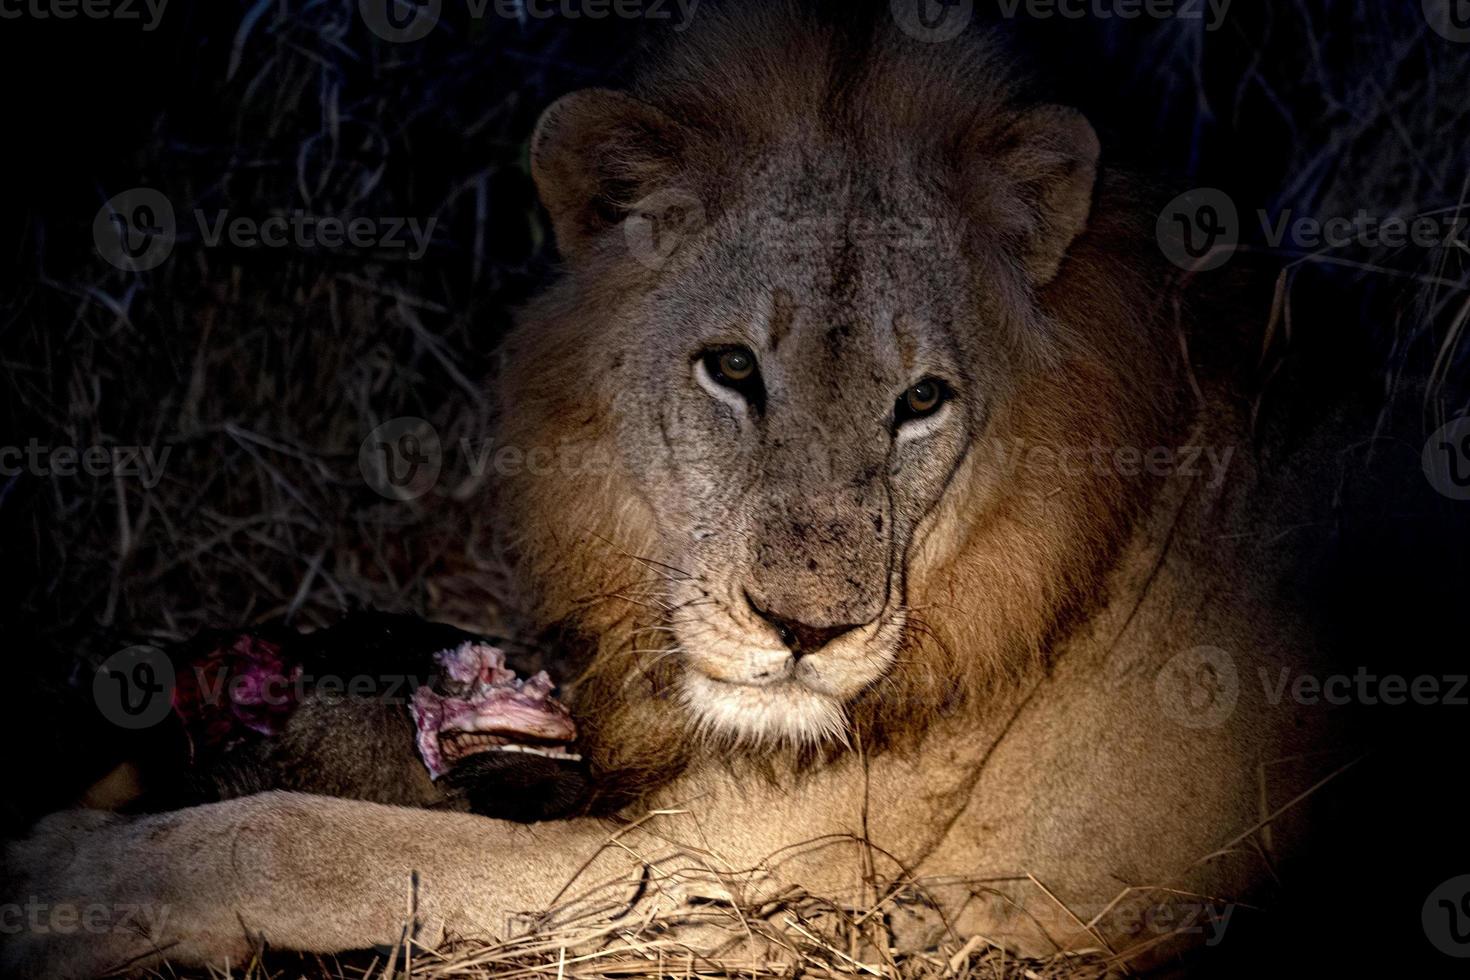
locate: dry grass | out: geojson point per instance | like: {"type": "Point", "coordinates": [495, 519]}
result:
{"type": "Point", "coordinates": [795, 934]}
{"type": "Point", "coordinates": [260, 372]}
{"type": "Point", "coordinates": [804, 936]}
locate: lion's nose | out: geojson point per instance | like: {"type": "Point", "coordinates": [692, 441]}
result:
{"type": "Point", "coordinates": [801, 638]}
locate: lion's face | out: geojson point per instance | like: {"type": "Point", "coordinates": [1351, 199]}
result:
{"type": "Point", "coordinates": [787, 334]}
{"type": "Point", "coordinates": [804, 384]}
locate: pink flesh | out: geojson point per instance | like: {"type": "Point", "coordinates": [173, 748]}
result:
{"type": "Point", "coordinates": [498, 703]}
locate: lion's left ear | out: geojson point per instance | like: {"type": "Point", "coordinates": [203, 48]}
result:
{"type": "Point", "coordinates": [595, 155]}
{"type": "Point", "coordinates": [1049, 155]}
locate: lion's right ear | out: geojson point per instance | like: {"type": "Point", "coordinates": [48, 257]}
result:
{"type": "Point", "coordinates": [1036, 181]}
{"type": "Point", "coordinates": [597, 153]}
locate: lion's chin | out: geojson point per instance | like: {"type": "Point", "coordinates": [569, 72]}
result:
{"type": "Point", "coordinates": [784, 713]}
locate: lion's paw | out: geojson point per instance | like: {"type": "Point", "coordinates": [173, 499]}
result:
{"type": "Point", "coordinates": [62, 912]}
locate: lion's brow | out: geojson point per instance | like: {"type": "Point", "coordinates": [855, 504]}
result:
{"type": "Point", "coordinates": [905, 341]}
{"type": "Point", "coordinates": [783, 315]}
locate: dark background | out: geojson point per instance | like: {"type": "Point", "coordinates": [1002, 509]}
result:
{"type": "Point", "coordinates": [263, 369]}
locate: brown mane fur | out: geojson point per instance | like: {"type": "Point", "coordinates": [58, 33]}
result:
{"type": "Point", "coordinates": [992, 585]}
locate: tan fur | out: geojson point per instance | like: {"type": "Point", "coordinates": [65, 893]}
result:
{"type": "Point", "coordinates": [1017, 754]}
{"type": "Point", "coordinates": [1005, 574]}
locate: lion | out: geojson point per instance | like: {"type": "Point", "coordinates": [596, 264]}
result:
{"type": "Point", "coordinates": [863, 486]}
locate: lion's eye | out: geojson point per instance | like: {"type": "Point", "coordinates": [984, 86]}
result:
{"type": "Point", "coordinates": [735, 365]}
{"type": "Point", "coordinates": [920, 400]}
{"type": "Point", "coordinates": [735, 368]}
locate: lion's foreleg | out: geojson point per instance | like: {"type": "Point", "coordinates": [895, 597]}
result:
{"type": "Point", "coordinates": [87, 893]}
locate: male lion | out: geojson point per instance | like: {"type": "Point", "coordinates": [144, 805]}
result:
{"type": "Point", "coordinates": [855, 437]}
